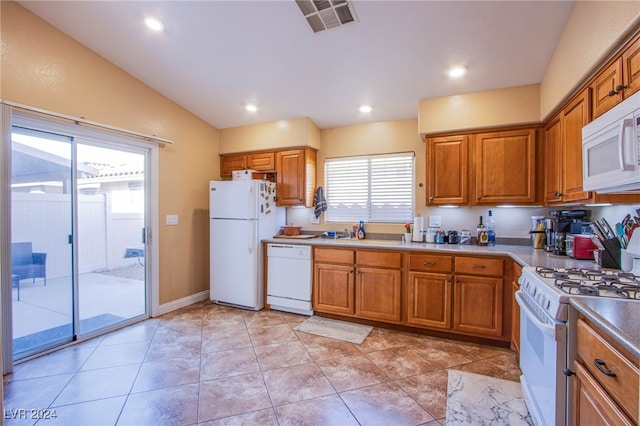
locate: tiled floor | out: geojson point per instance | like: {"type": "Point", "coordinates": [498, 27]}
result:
{"type": "Point", "coordinates": [213, 365]}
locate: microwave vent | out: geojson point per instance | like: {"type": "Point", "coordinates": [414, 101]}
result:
{"type": "Point", "coordinates": [322, 15]}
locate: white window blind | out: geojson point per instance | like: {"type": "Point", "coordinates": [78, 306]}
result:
{"type": "Point", "coordinates": [375, 188]}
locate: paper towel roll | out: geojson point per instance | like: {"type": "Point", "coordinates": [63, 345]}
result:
{"type": "Point", "coordinates": [418, 227]}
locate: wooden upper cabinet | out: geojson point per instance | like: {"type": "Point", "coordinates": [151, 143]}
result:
{"type": "Point", "coordinates": [231, 162]}
{"type": "Point", "coordinates": [553, 161]}
{"type": "Point", "coordinates": [574, 117]}
{"type": "Point", "coordinates": [617, 81]}
{"type": "Point", "coordinates": [259, 161]}
{"type": "Point", "coordinates": [296, 177]}
{"type": "Point", "coordinates": [447, 170]}
{"type": "Point", "coordinates": [262, 161]}
{"type": "Point", "coordinates": [505, 167]}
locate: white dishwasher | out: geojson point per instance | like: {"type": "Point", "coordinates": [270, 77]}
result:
{"type": "Point", "coordinates": [289, 278]}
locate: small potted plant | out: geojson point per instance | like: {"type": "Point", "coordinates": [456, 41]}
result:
{"type": "Point", "coordinates": [407, 233]}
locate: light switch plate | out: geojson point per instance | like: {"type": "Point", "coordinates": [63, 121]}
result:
{"type": "Point", "coordinates": [172, 219]}
{"type": "Point", "coordinates": [435, 221]}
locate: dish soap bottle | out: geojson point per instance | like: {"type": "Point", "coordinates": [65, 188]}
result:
{"type": "Point", "coordinates": [491, 231]}
{"type": "Point", "coordinates": [361, 233]}
{"type": "Point", "coordinates": [483, 237]}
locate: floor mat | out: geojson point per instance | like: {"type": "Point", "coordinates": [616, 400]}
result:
{"type": "Point", "coordinates": [349, 332]}
{"type": "Point", "coordinates": [474, 399]}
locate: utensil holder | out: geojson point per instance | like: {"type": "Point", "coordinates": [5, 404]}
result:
{"type": "Point", "coordinates": [610, 256]}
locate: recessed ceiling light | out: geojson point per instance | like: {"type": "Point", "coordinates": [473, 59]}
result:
{"type": "Point", "coordinates": [251, 108]}
{"type": "Point", "coordinates": [365, 109]}
{"type": "Point", "coordinates": [154, 24]}
{"type": "Point", "coordinates": [457, 72]}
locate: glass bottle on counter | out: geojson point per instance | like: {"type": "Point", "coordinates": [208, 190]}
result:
{"type": "Point", "coordinates": [361, 233]}
{"type": "Point", "coordinates": [491, 230]}
{"type": "Point", "coordinates": [483, 237]}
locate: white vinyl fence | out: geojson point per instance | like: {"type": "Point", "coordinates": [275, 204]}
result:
{"type": "Point", "coordinates": [45, 221]}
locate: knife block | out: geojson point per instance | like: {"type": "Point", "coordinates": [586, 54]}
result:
{"type": "Point", "coordinates": [610, 256]}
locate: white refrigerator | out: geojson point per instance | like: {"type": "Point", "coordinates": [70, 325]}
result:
{"type": "Point", "coordinates": [241, 213]}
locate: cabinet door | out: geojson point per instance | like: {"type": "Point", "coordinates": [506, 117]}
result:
{"type": "Point", "coordinates": [591, 404]}
{"type": "Point", "coordinates": [574, 118]}
{"type": "Point", "coordinates": [553, 161]}
{"type": "Point", "coordinates": [477, 305]}
{"type": "Point", "coordinates": [290, 177]}
{"type": "Point", "coordinates": [631, 68]}
{"type": "Point", "coordinates": [262, 161]}
{"type": "Point", "coordinates": [378, 294]}
{"type": "Point", "coordinates": [505, 166]}
{"type": "Point", "coordinates": [229, 163]}
{"type": "Point", "coordinates": [447, 170]}
{"type": "Point", "coordinates": [333, 288]}
{"type": "Point", "coordinates": [429, 298]}
{"type": "Point", "coordinates": [603, 88]}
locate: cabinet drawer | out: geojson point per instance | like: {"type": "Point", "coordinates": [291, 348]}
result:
{"type": "Point", "coordinates": [624, 386]}
{"type": "Point", "coordinates": [382, 259]}
{"type": "Point", "coordinates": [333, 255]}
{"type": "Point", "coordinates": [430, 263]}
{"type": "Point", "coordinates": [263, 161]}
{"type": "Point", "coordinates": [479, 266]}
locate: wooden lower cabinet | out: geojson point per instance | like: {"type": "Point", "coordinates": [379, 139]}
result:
{"type": "Point", "coordinates": [477, 305]}
{"type": "Point", "coordinates": [333, 288]}
{"type": "Point", "coordinates": [378, 294]}
{"type": "Point", "coordinates": [592, 405]}
{"type": "Point", "coordinates": [515, 309]}
{"type": "Point", "coordinates": [429, 298]}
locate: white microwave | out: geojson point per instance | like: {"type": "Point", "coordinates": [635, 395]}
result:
{"type": "Point", "coordinates": [611, 149]}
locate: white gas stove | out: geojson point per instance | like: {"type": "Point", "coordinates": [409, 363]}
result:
{"type": "Point", "coordinates": [547, 331]}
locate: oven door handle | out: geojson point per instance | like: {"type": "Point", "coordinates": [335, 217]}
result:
{"type": "Point", "coordinates": [525, 308]}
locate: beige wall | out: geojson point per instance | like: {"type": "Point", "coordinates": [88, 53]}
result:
{"type": "Point", "coordinates": [271, 135]}
{"type": "Point", "coordinates": [491, 108]}
{"type": "Point", "coordinates": [591, 31]}
{"type": "Point", "coordinates": [44, 68]}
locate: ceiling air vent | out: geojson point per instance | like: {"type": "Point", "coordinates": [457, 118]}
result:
{"type": "Point", "coordinates": [324, 14]}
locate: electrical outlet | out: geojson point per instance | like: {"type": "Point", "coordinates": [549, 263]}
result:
{"type": "Point", "coordinates": [435, 221]}
{"type": "Point", "coordinates": [314, 220]}
{"type": "Point", "coordinates": [172, 219]}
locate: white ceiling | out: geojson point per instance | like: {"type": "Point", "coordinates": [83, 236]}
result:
{"type": "Point", "coordinates": [217, 56]}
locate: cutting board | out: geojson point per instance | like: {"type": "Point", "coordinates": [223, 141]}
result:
{"type": "Point", "coordinates": [296, 237]}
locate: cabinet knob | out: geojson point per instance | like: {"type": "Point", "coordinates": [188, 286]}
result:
{"type": "Point", "coordinates": [557, 194]}
{"type": "Point", "coordinates": [457, 281]}
{"type": "Point", "coordinates": [568, 372]}
{"type": "Point", "coordinates": [619, 88]}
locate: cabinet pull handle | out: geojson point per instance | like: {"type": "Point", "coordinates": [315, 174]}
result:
{"type": "Point", "coordinates": [619, 88]}
{"type": "Point", "coordinates": [478, 266]}
{"type": "Point", "coordinates": [429, 263]}
{"type": "Point", "coordinates": [602, 367]}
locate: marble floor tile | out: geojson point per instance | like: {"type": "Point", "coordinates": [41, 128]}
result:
{"type": "Point", "coordinates": [384, 404]}
{"type": "Point", "coordinates": [233, 362]}
{"type": "Point", "coordinates": [33, 393]}
{"type": "Point", "coordinates": [351, 372]}
{"type": "Point", "coordinates": [269, 335]}
{"type": "Point", "coordinates": [263, 319]}
{"type": "Point", "coordinates": [296, 383]}
{"type": "Point", "coordinates": [503, 366]}
{"type": "Point", "coordinates": [325, 410]}
{"type": "Point", "coordinates": [442, 353]}
{"type": "Point", "coordinates": [429, 390]}
{"type": "Point", "coordinates": [164, 374]}
{"type": "Point", "coordinates": [398, 363]}
{"type": "Point", "coordinates": [169, 406]}
{"type": "Point", "coordinates": [232, 396]}
{"type": "Point", "coordinates": [96, 384]}
{"type": "Point", "coordinates": [224, 340]}
{"type": "Point", "coordinates": [115, 355]}
{"type": "Point", "coordinates": [380, 339]}
{"type": "Point", "coordinates": [101, 412]}
{"type": "Point", "coordinates": [265, 417]}
{"type": "Point", "coordinates": [64, 361]}
{"type": "Point", "coordinates": [135, 333]}
{"type": "Point", "coordinates": [322, 348]}
{"type": "Point", "coordinates": [281, 355]}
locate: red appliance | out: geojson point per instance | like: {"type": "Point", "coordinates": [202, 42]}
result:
{"type": "Point", "coordinates": [580, 246]}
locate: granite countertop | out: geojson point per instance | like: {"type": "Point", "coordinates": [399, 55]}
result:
{"type": "Point", "coordinates": [620, 318]}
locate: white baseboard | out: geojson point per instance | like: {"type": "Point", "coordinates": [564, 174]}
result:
{"type": "Point", "coordinates": [180, 303]}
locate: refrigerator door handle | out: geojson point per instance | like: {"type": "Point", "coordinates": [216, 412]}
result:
{"type": "Point", "coordinates": [250, 201]}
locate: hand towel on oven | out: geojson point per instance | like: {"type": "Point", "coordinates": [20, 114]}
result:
{"type": "Point", "coordinates": [319, 202]}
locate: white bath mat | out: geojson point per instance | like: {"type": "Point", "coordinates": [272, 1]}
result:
{"type": "Point", "coordinates": [474, 399]}
{"type": "Point", "coordinates": [334, 329]}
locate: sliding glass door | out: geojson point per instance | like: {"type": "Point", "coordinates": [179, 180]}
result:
{"type": "Point", "coordinates": [79, 215]}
